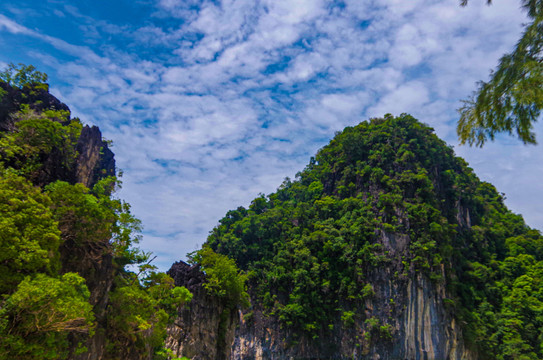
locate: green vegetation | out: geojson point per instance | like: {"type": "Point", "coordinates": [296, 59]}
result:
{"type": "Point", "coordinates": [24, 76]}
{"type": "Point", "coordinates": [310, 251]}
{"type": "Point", "coordinates": [138, 315]}
{"type": "Point", "coordinates": [312, 248]}
{"type": "Point", "coordinates": [223, 278]}
{"type": "Point", "coordinates": [29, 235]}
{"type": "Point", "coordinates": [36, 319]}
{"type": "Point", "coordinates": [225, 281]}
{"type": "Point", "coordinates": [64, 248]}
{"type": "Point", "coordinates": [38, 136]}
{"type": "Point", "coordinates": [511, 101]}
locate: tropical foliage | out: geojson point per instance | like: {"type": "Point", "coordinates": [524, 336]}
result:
{"type": "Point", "coordinates": [36, 319]}
{"type": "Point", "coordinates": [21, 76]}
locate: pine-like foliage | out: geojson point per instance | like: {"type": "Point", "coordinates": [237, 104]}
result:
{"type": "Point", "coordinates": [511, 101]}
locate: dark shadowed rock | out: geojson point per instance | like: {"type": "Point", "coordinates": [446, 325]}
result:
{"type": "Point", "coordinates": [38, 100]}
{"type": "Point", "coordinates": [187, 275]}
{"type": "Point", "coordinates": [95, 160]}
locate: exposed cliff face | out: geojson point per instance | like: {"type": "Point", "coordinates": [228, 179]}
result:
{"type": "Point", "coordinates": [410, 321]}
{"type": "Point", "coordinates": [205, 328]}
{"type": "Point", "coordinates": [95, 160]}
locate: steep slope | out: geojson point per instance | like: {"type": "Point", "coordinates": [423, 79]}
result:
{"type": "Point", "coordinates": [386, 246]}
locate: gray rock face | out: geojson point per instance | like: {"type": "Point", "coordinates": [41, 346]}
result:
{"type": "Point", "coordinates": [205, 328]}
{"type": "Point", "coordinates": [418, 326]}
{"type": "Point", "coordinates": [95, 160]}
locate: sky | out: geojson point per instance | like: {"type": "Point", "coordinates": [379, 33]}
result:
{"type": "Point", "coordinates": [210, 103]}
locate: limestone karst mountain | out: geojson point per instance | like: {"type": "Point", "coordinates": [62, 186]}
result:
{"type": "Point", "coordinates": [386, 246]}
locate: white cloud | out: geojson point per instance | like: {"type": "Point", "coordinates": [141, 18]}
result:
{"type": "Point", "coordinates": [13, 27]}
{"type": "Point", "coordinates": [59, 13]}
{"type": "Point", "coordinates": [411, 97]}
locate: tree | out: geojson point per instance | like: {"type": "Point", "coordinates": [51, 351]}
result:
{"type": "Point", "coordinates": [24, 76]}
{"type": "Point", "coordinates": [138, 314]}
{"type": "Point", "coordinates": [512, 100]}
{"type": "Point", "coordinates": [38, 136]}
{"type": "Point", "coordinates": [223, 278]}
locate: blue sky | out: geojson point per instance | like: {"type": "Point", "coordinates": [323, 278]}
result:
{"type": "Point", "coordinates": [210, 103]}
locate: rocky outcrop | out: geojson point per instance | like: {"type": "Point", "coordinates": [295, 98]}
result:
{"type": "Point", "coordinates": [95, 160]}
{"type": "Point", "coordinates": [205, 328]}
{"type": "Point", "coordinates": [365, 255]}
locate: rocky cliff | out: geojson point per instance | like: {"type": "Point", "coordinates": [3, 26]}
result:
{"type": "Point", "coordinates": [386, 246]}
{"type": "Point", "coordinates": [409, 321]}
{"type": "Point", "coordinates": [94, 161]}
{"type": "Point", "coordinates": [418, 326]}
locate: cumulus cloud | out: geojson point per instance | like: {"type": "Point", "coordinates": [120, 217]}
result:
{"type": "Point", "coordinates": [210, 103]}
